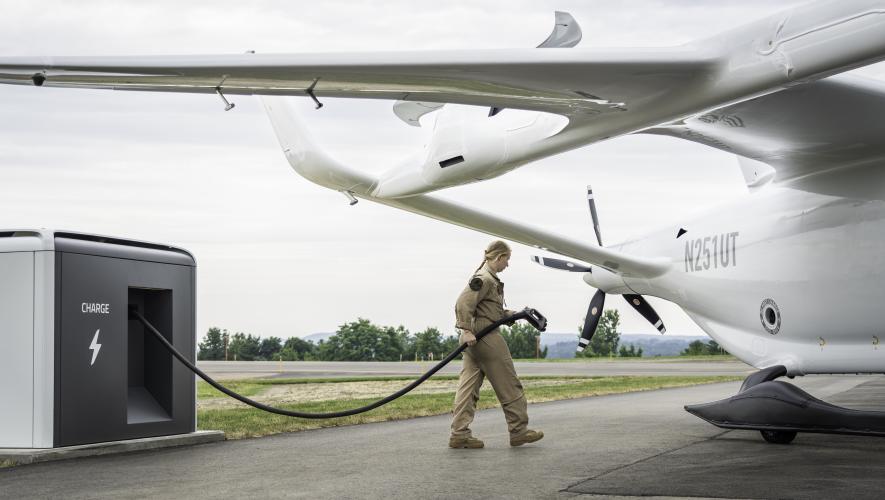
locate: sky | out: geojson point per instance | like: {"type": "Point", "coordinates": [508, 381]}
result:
{"type": "Point", "coordinates": [280, 256]}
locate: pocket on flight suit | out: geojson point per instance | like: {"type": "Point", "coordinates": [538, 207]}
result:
{"type": "Point", "coordinates": [498, 367]}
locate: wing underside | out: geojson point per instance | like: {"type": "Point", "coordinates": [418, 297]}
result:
{"type": "Point", "coordinates": [835, 122]}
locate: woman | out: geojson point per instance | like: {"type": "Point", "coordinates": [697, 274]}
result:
{"type": "Point", "coordinates": [479, 305]}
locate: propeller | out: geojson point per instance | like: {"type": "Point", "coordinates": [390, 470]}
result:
{"type": "Point", "coordinates": [647, 312]}
{"type": "Point", "coordinates": [591, 321]}
{"type": "Point", "coordinates": [593, 215]}
{"type": "Point", "coordinates": [594, 312]}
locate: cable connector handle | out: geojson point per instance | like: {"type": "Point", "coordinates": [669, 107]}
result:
{"type": "Point", "coordinates": [535, 318]}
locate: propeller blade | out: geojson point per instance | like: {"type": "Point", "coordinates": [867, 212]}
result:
{"type": "Point", "coordinates": [562, 265]}
{"type": "Point", "coordinates": [645, 309]}
{"type": "Point", "coordinates": [592, 204]}
{"type": "Point", "coordinates": [594, 314]}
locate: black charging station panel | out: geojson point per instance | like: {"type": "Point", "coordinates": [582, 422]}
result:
{"type": "Point", "coordinates": [113, 380]}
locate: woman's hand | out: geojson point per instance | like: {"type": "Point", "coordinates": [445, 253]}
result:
{"type": "Point", "coordinates": [467, 337]}
{"type": "Point", "coordinates": [507, 313]}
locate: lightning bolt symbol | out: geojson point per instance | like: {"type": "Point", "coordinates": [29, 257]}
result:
{"type": "Point", "coordinates": [95, 347]}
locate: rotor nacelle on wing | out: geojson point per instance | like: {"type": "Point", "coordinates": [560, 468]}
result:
{"type": "Point", "coordinates": [469, 145]}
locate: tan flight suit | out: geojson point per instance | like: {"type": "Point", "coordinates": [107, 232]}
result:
{"type": "Point", "coordinates": [479, 305]}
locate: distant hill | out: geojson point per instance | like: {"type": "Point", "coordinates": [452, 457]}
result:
{"type": "Point", "coordinates": [562, 345]}
{"type": "Point", "coordinates": [661, 345]}
{"type": "Point", "coordinates": [317, 337]}
{"type": "Point", "coordinates": [550, 339]}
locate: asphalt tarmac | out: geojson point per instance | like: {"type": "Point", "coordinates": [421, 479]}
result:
{"type": "Point", "coordinates": [226, 370]}
{"type": "Point", "coordinates": [640, 444]}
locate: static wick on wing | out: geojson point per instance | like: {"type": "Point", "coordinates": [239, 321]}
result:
{"type": "Point", "coordinates": [227, 104]}
{"type": "Point", "coordinates": [309, 91]}
{"type": "Point", "coordinates": [350, 197]}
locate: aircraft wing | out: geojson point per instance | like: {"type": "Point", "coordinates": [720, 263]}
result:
{"type": "Point", "coordinates": [604, 93]}
{"type": "Point", "coordinates": [588, 86]}
{"type": "Point", "coordinates": [554, 80]}
{"type": "Point", "coordinates": [829, 123]}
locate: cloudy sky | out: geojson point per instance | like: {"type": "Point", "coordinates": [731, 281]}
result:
{"type": "Point", "coordinates": [280, 256]}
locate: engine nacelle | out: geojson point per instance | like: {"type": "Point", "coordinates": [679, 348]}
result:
{"type": "Point", "coordinates": [469, 146]}
{"type": "Point", "coordinates": [607, 281]}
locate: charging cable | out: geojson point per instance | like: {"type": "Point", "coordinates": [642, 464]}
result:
{"type": "Point", "coordinates": [535, 318]}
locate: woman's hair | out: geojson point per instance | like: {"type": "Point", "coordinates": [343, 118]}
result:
{"type": "Point", "coordinates": [495, 249]}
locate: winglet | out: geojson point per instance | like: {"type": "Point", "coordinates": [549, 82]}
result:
{"type": "Point", "coordinates": [566, 32]}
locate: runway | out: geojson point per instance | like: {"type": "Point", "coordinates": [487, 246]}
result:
{"type": "Point", "coordinates": [222, 370]}
{"type": "Point", "coordinates": [640, 444]}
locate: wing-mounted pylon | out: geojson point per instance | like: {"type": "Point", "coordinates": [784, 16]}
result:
{"type": "Point", "coordinates": [308, 160]}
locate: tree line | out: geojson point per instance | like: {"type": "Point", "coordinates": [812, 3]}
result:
{"type": "Point", "coordinates": [700, 348]}
{"type": "Point", "coordinates": [359, 340]}
{"type": "Point", "coordinates": [220, 345]}
{"type": "Point", "coordinates": [362, 340]}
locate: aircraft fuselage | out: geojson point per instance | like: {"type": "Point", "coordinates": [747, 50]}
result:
{"type": "Point", "coordinates": [791, 275]}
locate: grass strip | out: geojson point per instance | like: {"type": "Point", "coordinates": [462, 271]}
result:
{"type": "Point", "coordinates": [245, 422]}
{"type": "Point", "coordinates": [255, 386]}
{"type": "Point", "coordinates": [645, 359]}
{"type": "Point", "coordinates": [252, 387]}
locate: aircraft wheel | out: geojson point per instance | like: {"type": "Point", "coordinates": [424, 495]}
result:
{"type": "Point", "coordinates": [779, 437]}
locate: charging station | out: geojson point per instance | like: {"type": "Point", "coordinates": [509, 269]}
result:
{"type": "Point", "coordinates": [75, 369]}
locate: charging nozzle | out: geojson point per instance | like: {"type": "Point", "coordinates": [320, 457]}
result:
{"type": "Point", "coordinates": [535, 318]}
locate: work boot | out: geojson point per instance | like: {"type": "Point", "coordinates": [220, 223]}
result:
{"type": "Point", "coordinates": [465, 442]}
{"type": "Point", "coordinates": [529, 436]}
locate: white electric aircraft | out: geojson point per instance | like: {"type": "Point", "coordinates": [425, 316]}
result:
{"type": "Point", "coordinates": [789, 279]}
